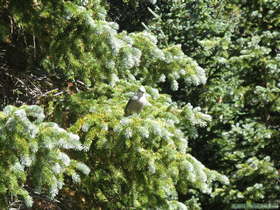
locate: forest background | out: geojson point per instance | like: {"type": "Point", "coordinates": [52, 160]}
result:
{"type": "Point", "coordinates": [209, 138]}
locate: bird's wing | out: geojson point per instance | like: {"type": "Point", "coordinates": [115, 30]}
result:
{"type": "Point", "coordinates": [126, 110]}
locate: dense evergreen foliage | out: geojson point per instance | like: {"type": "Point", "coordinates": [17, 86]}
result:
{"type": "Point", "coordinates": [237, 43]}
{"type": "Point", "coordinates": [207, 139]}
{"type": "Point", "coordinates": [32, 154]}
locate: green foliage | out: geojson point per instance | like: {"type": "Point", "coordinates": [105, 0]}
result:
{"type": "Point", "coordinates": [32, 154]}
{"type": "Point", "coordinates": [188, 22]}
{"type": "Point", "coordinates": [80, 44]}
{"type": "Point", "coordinates": [237, 43]}
{"type": "Point", "coordinates": [137, 161]}
{"type": "Point", "coordinates": [142, 160]}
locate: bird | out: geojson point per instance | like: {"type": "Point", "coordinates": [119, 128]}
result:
{"type": "Point", "coordinates": [136, 103]}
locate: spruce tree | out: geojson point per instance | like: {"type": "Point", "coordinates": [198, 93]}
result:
{"type": "Point", "coordinates": [140, 161]}
{"type": "Point", "coordinates": [237, 43]}
{"type": "Point", "coordinates": [32, 155]}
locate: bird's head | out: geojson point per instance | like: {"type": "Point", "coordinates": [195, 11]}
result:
{"type": "Point", "coordinates": [141, 91]}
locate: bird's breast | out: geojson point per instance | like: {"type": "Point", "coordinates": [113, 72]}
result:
{"type": "Point", "coordinates": [143, 100]}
